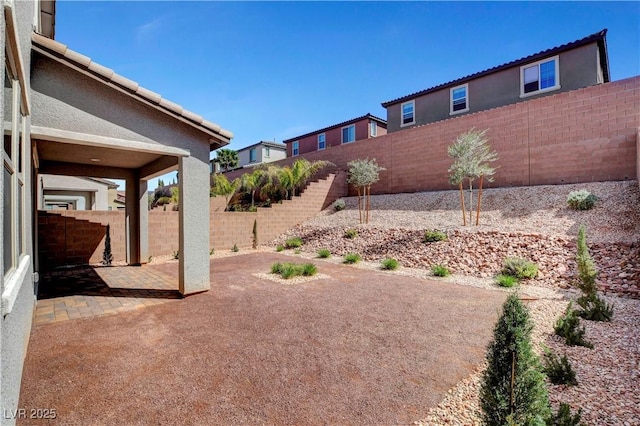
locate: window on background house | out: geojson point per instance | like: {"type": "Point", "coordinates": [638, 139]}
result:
{"type": "Point", "coordinates": [295, 148]}
{"type": "Point", "coordinates": [349, 133]}
{"type": "Point", "coordinates": [408, 116]}
{"type": "Point", "coordinates": [252, 155]}
{"type": "Point", "coordinates": [373, 128]}
{"type": "Point", "coordinates": [267, 152]}
{"type": "Point", "coordinates": [459, 99]}
{"type": "Point", "coordinates": [322, 142]}
{"type": "Point", "coordinates": [541, 76]}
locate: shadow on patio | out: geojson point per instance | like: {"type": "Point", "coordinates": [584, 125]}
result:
{"type": "Point", "coordinates": [85, 291]}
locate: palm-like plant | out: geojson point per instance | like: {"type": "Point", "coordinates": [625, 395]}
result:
{"type": "Point", "coordinates": [227, 158]}
{"type": "Point", "coordinates": [250, 183]}
{"type": "Point", "coordinates": [302, 170]}
{"type": "Point", "coordinates": [221, 186]}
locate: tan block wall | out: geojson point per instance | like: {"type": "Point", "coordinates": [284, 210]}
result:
{"type": "Point", "coordinates": [77, 237]}
{"type": "Point", "coordinates": [578, 136]}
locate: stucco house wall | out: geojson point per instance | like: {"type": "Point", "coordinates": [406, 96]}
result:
{"type": "Point", "coordinates": [578, 68]}
{"type": "Point", "coordinates": [94, 195]}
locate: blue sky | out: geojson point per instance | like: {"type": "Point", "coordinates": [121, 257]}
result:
{"type": "Point", "coordinates": [275, 70]}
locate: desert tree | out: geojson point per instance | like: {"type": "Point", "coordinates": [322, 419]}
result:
{"type": "Point", "coordinates": [250, 183]}
{"type": "Point", "coordinates": [513, 390]}
{"type": "Point", "coordinates": [302, 170]}
{"type": "Point", "coordinates": [363, 174]}
{"type": "Point", "coordinates": [220, 185]}
{"type": "Point", "coordinates": [472, 155]}
{"type": "Point", "coordinates": [227, 158]}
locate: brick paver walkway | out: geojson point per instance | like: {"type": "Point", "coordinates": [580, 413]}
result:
{"type": "Point", "coordinates": [84, 291]}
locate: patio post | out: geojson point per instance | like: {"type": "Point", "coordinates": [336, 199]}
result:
{"type": "Point", "coordinates": [132, 219]}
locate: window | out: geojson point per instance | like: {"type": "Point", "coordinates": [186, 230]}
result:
{"type": "Point", "coordinates": [349, 133]}
{"type": "Point", "coordinates": [267, 152]}
{"type": "Point", "coordinates": [252, 155]}
{"type": "Point", "coordinates": [459, 99]}
{"type": "Point", "coordinates": [408, 116]}
{"type": "Point", "coordinates": [295, 148]}
{"type": "Point", "coordinates": [539, 77]}
{"type": "Point", "coordinates": [373, 129]}
{"type": "Point", "coordinates": [322, 143]}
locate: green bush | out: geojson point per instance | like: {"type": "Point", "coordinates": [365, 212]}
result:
{"type": "Point", "coordinates": [559, 370]}
{"type": "Point", "coordinates": [288, 270]}
{"type": "Point", "coordinates": [581, 200]}
{"type": "Point", "coordinates": [176, 254]}
{"type": "Point", "coordinates": [563, 417]}
{"type": "Point", "coordinates": [440, 271]}
{"type": "Point", "coordinates": [309, 269]}
{"type": "Point", "coordinates": [351, 258]}
{"type": "Point", "coordinates": [293, 242]}
{"type": "Point", "coordinates": [568, 326]}
{"type": "Point", "coordinates": [594, 308]}
{"type": "Point", "coordinates": [297, 251]}
{"type": "Point", "coordinates": [519, 268]}
{"type": "Point", "coordinates": [339, 205]}
{"type": "Point", "coordinates": [279, 247]}
{"type": "Point", "coordinates": [324, 253]}
{"type": "Point", "coordinates": [351, 233]}
{"type": "Point", "coordinates": [434, 236]}
{"type": "Point", "coordinates": [235, 248]}
{"type": "Point", "coordinates": [513, 390]}
{"type": "Point", "coordinates": [390, 264]}
{"type": "Point", "coordinates": [163, 200]}
{"type": "Point", "coordinates": [506, 280]}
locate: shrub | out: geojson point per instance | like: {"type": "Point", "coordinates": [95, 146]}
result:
{"type": "Point", "coordinates": [309, 269]}
{"type": "Point", "coordinates": [235, 248]}
{"type": "Point", "coordinates": [519, 268]}
{"type": "Point", "coordinates": [563, 417]}
{"type": "Point", "coordinates": [506, 280]}
{"type": "Point", "coordinates": [339, 205]}
{"type": "Point", "coordinates": [211, 252]}
{"type": "Point", "coordinates": [581, 200]}
{"type": "Point", "coordinates": [293, 242]}
{"type": "Point", "coordinates": [594, 308]}
{"type": "Point", "coordinates": [163, 200]}
{"type": "Point", "coordinates": [351, 233]}
{"type": "Point", "coordinates": [252, 209]}
{"type": "Point", "coordinates": [568, 326]}
{"type": "Point", "coordinates": [513, 390]}
{"type": "Point", "coordinates": [324, 253]}
{"type": "Point", "coordinates": [297, 251]}
{"type": "Point", "coordinates": [434, 236]}
{"type": "Point", "coordinates": [390, 264]}
{"type": "Point", "coordinates": [440, 271]}
{"type": "Point", "coordinates": [559, 370]}
{"type": "Point", "coordinates": [176, 254]}
{"type": "Point", "coordinates": [288, 270]}
{"type": "Point", "coordinates": [279, 247]}
{"type": "Point", "coordinates": [351, 258]}
{"type": "Point", "coordinates": [107, 256]}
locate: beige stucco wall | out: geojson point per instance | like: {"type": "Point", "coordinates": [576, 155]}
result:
{"type": "Point", "coordinates": [56, 187]}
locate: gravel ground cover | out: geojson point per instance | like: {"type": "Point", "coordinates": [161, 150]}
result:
{"type": "Point", "coordinates": [534, 223]}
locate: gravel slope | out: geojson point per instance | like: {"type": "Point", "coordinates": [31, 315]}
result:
{"type": "Point", "coordinates": [531, 222]}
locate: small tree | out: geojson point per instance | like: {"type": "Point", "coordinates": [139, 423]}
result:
{"type": "Point", "coordinates": [107, 256]}
{"type": "Point", "coordinates": [302, 170]}
{"type": "Point", "coordinates": [363, 174]}
{"type": "Point", "coordinates": [222, 186]}
{"type": "Point", "coordinates": [513, 391]}
{"type": "Point", "coordinates": [471, 156]}
{"type": "Point", "coordinates": [250, 182]}
{"type": "Point", "coordinates": [227, 158]}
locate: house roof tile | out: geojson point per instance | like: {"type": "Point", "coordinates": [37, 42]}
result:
{"type": "Point", "coordinates": [107, 75]}
{"type": "Point", "coordinates": [344, 123]}
{"type": "Point", "coordinates": [599, 37]}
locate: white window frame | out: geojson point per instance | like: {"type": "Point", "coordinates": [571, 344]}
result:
{"type": "Point", "coordinates": [322, 137]}
{"type": "Point", "coordinates": [255, 157]}
{"type": "Point", "coordinates": [348, 127]}
{"type": "Point", "coordinates": [373, 129]}
{"type": "Point", "coordinates": [557, 85]}
{"type": "Point", "coordinates": [466, 99]}
{"type": "Point", "coordinates": [295, 148]}
{"type": "Point", "coordinates": [413, 106]}
{"type": "Point", "coordinates": [267, 152]}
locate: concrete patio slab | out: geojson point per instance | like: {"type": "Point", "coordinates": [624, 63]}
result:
{"type": "Point", "coordinates": [357, 347]}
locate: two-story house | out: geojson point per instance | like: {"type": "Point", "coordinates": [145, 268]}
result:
{"type": "Point", "coordinates": [261, 152]}
{"type": "Point", "coordinates": [567, 67]}
{"type": "Point", "coordinates": [364, 127]}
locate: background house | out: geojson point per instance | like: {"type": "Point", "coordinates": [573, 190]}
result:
{"type": "Point", "coordinates": [567, 67]}
{"type": "Point", "coordinates": [58, 192]}
{"type": "Point", "coordinates": [364, 127]}
{"type": "Point", "coordinates": [261, 152]}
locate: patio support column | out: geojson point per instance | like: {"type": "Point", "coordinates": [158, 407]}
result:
{"type": "Point", "coordinates": [144, 221]}
{"type": "Point", "coordinates": [132, 219]}
{"type": "Point", "coordinates": [194, 222]}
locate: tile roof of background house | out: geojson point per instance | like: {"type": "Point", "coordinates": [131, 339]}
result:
{"type": "Point", "coordinates": [65, 55]}
{"type": "Point", "coordinates": [344, 123]}
{"type": "Point", "coordinates": [599, 37]}
{"type": "Point", "coordinates": [265, 143]}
